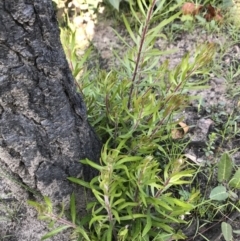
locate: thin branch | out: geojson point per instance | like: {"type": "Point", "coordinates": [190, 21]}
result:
{"type": "Point", "coordinates": [140, 51]}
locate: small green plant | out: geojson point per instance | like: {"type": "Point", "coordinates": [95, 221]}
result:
{"type": "Point", "coordinates": [134, 110]}
{"type": "Point", "coordinates": [218, 204]}
{"type": "Point", "coordinates": [70, 45]}
{"type": "Point", "coordinates": [228, 183]}
{"type": "Point", "coordinates": [75, 61]}
{"type": "Point", "coordinates": [47, 212]}
{"type": "Point", "coordinates": [10, 211]}
{"type": "Point", "coordinates": [226, 124]}
{"type": "Point", "coordinates": [229, 128]}
{"type": "Point", "coordinates": [232, 75]}
{"type": "Point", "coordinates": [190, 23]}
{"type": "Point", "coordinates": [209, 150]}
{"type": "Point", "coordinates": [133, 201]}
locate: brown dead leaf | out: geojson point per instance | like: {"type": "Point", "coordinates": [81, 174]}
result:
{"type": "Point", "coordinates": [181, 131]}
{"type": "Point", "coordinates": [191, 8]}
{"type": "Point", "coordinates": [211, 10]}
{"type": "Point", "coordinates": [213, 13]}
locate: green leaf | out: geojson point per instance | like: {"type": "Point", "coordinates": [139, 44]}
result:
{"type": "Point", "coordinates": [219, 193]}
{"type": "Point", "coordinates": [109, 232]}
{"type": "Point", "coordinates": [127, 204]}
{"type": "Point", "coordinates": [236, 231]}
{"type": "Point", "coordinates": [123, 232]}
{"type": "Point", "coordinates": [179, 235]}
{"type": "Point", "coordinates": [129, 30]}
{"type": "Point", "coordinates": [54, 232]}
{"type": "Point", "coordinates": [48, 202]}
{"type": "Point", "coordinates": [227, 231]}
{"type": "Point", "coordinates": [98, 210]}
{"type": "Point", "coordinates": [96, 219]}
{"type": "Point", "coordinates": [132, 217]}
{"type": "Point", "coordinates": [98, 196]}
{"type": "Point", "coordinates": [182, 204]}
{"type": "Point", "coordinates": [115, 3]}
{"type": "Point", "coordinates": [73, 208]}
{"type": "Point", "coordinates": [159, 202]}
{"type": "Point", "coordinates": [129, 159]}
{"type": "Point", "coordinates": [124, 41]}
{"type": "Point", "coordinates": [124, 167]}
{"type": "Point", "coordinates": [163, 236]}
{"type": "Point", "coordinates": [62, 211]}
{"type": "Point", "coordinates": [83, 233]}
{"type": "Point", "coordinates": [79, 181]}
{"type": "Point", "coordinates": [85, 57]}
{"type": "Point", "coordinates": [148, 225]}
{"type": "Point", "coordinates": [154, 31]}
{"type": "Point", "coordinates": [40, 208]}
{"type": "Point", "coordinates": [163, 226]}
{"type": "Point", "coordinates": [141, 7]}
{"type": "Point", "coordinates": [135, 15]}
{"type": "Point", "coordinates": [235, 181]}
{"type": "Point", "coordinates": [120, 200]}
{"type": "Point", "coordinates": [225, 167]}
{"type": "Point", "coordinates": [92, 164]}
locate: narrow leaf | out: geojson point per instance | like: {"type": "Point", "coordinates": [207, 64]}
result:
{"type": "Point", "coordinates": [54, 232]}
{"type": "Point", "coordinates": [92, 164]}
{"type": "Point", "coordinates": [235, 181]}
{"type": "Point", "coordinates": [148, 225]}
{"type": "Point", "coordinates": [129, 159]}
{"type": "Point", "coordinates": [79, 181]}
{"type": "Point", "coordinates": [83, 233]}
{"type": "Point", "coordinates": [109, 232]}
{"type": "Point", "coordinates": [132, 217]}
{"type": "Point", "coordinates": [96, 219]}
{"type": "Point", "coordinates": [129, 30]}
{"type": "Point", "coordinates": [73, 208]}
{"type": "Point", "coordinates": [141, 7]}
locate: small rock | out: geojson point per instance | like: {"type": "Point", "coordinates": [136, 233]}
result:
{"type": "Point", "coordinates": [201, 130]}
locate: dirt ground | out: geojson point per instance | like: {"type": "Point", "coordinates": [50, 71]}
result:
{"type": "Point", "coordinates": [18, 221]}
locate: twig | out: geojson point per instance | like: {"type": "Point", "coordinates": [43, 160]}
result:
{"type": "Point", "coordinates": [140, 51]}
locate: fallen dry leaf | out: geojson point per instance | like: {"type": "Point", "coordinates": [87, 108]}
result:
{"type": "Point", "coordinates": [179, 132]}
{"type": "Point", "coordinates": [213, 13]}
{"type": "Point", "coordinates": [191, 8]}
{"type": "Point", "coordinates": [211, 10]}
{"type": "Point", "coordinates": [196, 160]}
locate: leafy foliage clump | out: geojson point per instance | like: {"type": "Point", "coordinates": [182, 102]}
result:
{"type": "Point", "coordinates": [143, 173]}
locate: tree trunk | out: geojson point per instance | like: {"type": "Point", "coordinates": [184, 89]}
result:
{"type": "Point", "coordinates": [44, 129]}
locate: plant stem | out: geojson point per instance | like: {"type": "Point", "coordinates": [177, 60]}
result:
{"type": "Point", "coordinates": [149, 14]}
{"type": "Point", "coordinates": [61, 220]}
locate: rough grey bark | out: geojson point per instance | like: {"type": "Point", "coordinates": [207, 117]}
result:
{"type": "Point", "coordinates": [44, 129]}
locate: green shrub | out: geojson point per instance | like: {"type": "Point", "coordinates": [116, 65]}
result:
{"type": "Point", "coordinates": [134, 109]}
